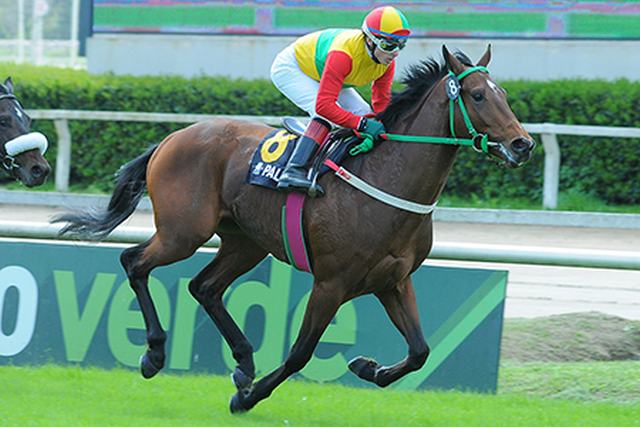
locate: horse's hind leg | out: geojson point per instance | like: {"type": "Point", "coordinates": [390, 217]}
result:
{"type": "Point", "coordinates": [236, 256]}
{"type": "Point", "coordinates": [138, 261]}
{"type": "Point", "coordinates": [323, 304]}
{"type": "Point", "coordinates": [400, 304]}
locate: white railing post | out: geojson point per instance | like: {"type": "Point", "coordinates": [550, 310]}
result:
{"type": "Point", "coordinates": [40, 8]}
{"type": "Point", "coordinates": [73, 41]}
{"type": "Point", "coordinates": [21, 39]}
{"type": "Point", "coordinates": [551, 180]}
{"type": "Point", "coordinates": [63, 159]}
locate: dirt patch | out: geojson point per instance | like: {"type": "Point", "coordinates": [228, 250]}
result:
{"type": "Point", "coordinates": [574, 337]}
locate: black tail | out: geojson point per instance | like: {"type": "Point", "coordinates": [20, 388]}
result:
{"type": "Point", "coordinates": [95, 223]}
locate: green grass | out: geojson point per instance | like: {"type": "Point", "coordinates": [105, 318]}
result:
{"type": "Point", "coordinates": [70, 396]}
{"type": "Point", "coordinates": [613, 382]}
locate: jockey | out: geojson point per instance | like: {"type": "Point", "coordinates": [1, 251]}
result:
{"type": "Point", "coordinates": [318, 72]}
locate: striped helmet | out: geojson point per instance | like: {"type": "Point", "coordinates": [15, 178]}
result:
{"type": "Point", "coordinates": [387, 27]}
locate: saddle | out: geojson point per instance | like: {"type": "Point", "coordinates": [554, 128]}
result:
{"type": "Point", "coordinates": [293, 125]}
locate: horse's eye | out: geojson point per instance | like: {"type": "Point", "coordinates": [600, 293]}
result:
{"type": "Point", "coordinates": [477, 96]}
{"type": "Point", "coordinates": [4, 122]}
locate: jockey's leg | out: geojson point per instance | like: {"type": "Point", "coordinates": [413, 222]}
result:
{"type": "Point", "coordinates": [294, 176]}
{"type": "Point", "coordinates": [287, 76]}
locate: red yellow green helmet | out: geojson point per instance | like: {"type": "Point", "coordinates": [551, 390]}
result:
{"type": "Point", "coordinates": [386, 24]}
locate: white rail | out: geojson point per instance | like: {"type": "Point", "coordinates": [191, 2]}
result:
{"type": "Point", "coordinates": [548, 132]}
{"type": "Point", "coordinates": [625, 260]}
{"type": "Point", "coordinates": [552, 156]}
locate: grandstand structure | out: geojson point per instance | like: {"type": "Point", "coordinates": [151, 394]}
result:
{"type": "Point", "coordinates": [532, 39]}
{"type": "Point", "coordinates": [550, 39]}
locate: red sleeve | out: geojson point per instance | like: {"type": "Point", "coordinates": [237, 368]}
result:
{"type": "Point", "coordinates": [336, 68]}
{"type": "Point", "coordinates": [381, 89]}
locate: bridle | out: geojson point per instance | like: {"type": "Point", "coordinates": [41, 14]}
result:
{"type": "Point", "coordinates": [19, 144]}
{"type": "Point", "coordinates": [8, 162]}
{"type": "Point", "coordinates": [478, 141]}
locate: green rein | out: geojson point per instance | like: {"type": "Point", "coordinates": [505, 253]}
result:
{"type": "Point", "coordinates": [453, 92]}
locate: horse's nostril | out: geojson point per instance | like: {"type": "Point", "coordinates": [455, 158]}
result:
{"type": "Point", "coordinates": [37, 171]}
{"type": "Point", "coordinates": [522, 145]}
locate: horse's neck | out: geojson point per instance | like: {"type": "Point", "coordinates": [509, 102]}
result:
{"type": "Point", "coordinates": [417, 171]}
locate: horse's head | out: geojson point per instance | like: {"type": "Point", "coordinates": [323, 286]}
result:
{"type": "Point", "coordinates": [21, 151]}
{"type": "Point", "coordinates": [487, 111]}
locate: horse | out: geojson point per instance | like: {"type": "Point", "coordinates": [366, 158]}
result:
{"type": "Point", "coordinates": [357, 245]}
{"type": "Point", "coordinates": [21, 151]}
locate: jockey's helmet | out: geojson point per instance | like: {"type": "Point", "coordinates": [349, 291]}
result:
{"type": "Point", "coordinates": [387, 28]}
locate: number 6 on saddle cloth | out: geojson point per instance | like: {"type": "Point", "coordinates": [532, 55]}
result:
{"type": "Point", "coordinates": [273, 152]}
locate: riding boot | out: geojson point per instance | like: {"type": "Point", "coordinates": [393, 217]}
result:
{"type": "Point", "coordinates": [294, 177]}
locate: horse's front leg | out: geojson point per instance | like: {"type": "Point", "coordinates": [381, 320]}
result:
{"type": "Point", "coordinates": [400, 304]}
{"type": "Point", "coordinates": [323, 304]}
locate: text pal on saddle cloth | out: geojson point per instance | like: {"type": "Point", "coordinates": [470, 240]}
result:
{"type": "Point", "coordinates": [318, 72]}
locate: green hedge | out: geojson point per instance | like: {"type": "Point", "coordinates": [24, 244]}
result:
{"type": "Point", "coordinates": [607, 168]}
{"type": "Point", "coordinates": [603, 167]}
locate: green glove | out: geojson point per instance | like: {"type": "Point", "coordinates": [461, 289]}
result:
{"type": "Point", "coordinates": [372, 127]}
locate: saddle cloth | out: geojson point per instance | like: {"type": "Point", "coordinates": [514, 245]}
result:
{"type": "Point", "coordinates": [273, 152]}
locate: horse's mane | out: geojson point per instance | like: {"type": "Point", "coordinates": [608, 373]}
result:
{"type": "Point", "coordinates": [419, 79]}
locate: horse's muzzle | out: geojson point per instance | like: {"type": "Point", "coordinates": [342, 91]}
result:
{"type": "Point", "coordinates": [521, 150]}
{"type": "Point", "coordinates": [34, 175]}
{"type": "Point", "coordinates": [40, 171]}
{"type": "Point", "coordinates": [522, 146]}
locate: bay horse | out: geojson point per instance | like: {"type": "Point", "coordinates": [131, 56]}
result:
{"type": "Point", "coordinates": [21, 151]}
{"type": "Point", "coordinates": [357, 245]}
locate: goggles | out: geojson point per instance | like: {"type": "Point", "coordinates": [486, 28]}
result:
{"type": "Point", "coordinates": [389, 45]}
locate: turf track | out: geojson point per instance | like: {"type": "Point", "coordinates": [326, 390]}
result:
{"type": "Point", "coordinates": [57, 396]}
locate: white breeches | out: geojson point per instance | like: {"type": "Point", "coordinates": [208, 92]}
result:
{"type": "Point", "coordinates": [302, 90]}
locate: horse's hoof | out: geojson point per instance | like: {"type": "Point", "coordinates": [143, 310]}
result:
{"type": "Point", "coordinates": [241, 380]}
{"type": "Point", "coordinates": [235, 406]}
{"type": "Point", "coordinates": [147, 368]}
{"type": "Point", "coordinates": [364, 367]}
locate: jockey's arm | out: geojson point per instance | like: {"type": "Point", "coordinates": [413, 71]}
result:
{"type": "Point", "coordinates": [381, 89]}
{"type": "Point", "coordinates": [337, 67]}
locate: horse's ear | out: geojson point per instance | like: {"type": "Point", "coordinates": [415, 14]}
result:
{"type": "Point", "coordinates": [452, 62]}
{"type": "Point", "coordinates": [9, 84]}
{"type": "Point", "coordinates": [484, 61]}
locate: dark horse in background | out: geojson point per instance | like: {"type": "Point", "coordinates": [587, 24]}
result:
{"type": "Point", "coordinates": [357, 245]}
{"type": "Point", "coordinates": [21, 151]}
